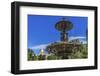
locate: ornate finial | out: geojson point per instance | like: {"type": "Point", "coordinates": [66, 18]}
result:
{"type": "Point", "coordinates": [64, 26]}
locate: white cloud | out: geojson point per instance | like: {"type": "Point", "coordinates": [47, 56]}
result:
{"type": "Point", "coordinates": [81, 38]}
{"type": "Point", "coordinates": [84, 41]}
{"type": "Point", "coordinates": [41, 46]}
{"type": "Point", "coordinates": [77, 37]}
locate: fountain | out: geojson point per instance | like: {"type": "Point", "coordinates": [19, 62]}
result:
{"type": "Point", "coordinates": [64, 48]}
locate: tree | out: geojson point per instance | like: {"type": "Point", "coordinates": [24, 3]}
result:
{"type": "Point", "coordinates": [81, 52]}
{"type": "Point", "coordinates": [42, 57]}
{"type": "Point", "coordinates": [84, 52]}
{"type": "Point", "coordinates": [35, 57]}
{"type": "Point", "coordinates": [52, 57]}
{"type": "Point", "coordinates": [30, 54]}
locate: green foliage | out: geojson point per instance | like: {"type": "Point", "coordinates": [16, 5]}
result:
{"type": "Point", "coordinates": [53, 57]}
{"type": "Point", "coordinates": [41, 57]}
{"type": "Point", "coordinates": [35, 57]}
{"type": "Point", "coordinates": [79, 53]}
{"type": "Point", "coordinates": [84, 52]}
{"type": "Point", "coordinates": [30, 53]}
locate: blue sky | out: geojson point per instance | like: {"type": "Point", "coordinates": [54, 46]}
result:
{"type": "Point", "coordinates": [42, 32]}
